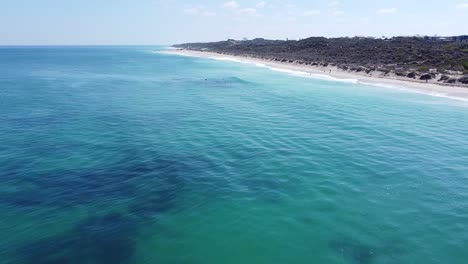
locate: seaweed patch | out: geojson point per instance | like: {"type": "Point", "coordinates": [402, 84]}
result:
{"type": "Point", "coordinates": [107, 239]}
{"type": "Point", "coordinates": [121, 181]}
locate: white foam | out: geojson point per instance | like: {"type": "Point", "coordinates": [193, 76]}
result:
{"type": "Point", "coordinates": [173, 53]}
{"type": "Point", "coordinates": [287, 71]}
{"type": "Point", "coordinates": [228, 59]}
{"type": "Point", "coordinates": [415, 90]}
{"type": "Point", "coordinates": [386, 85]}
{"type": "Point", "coordinates": [318, 76]}
{"type": "Point", "coordinates": [331, 78]}
{"type": "Point", "coordinates": [451, 97]}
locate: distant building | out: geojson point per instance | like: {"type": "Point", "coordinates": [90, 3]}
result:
{"type": "Point", "coordinates": [463, 38]}
{"type": "Point", "coordinates": [364, 37]}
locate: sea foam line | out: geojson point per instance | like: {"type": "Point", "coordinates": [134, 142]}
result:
{"type": "Point", "coordinates": [319, 76]}
{"type": "Point", "coordinates": [261, 65]}
{"type": "Point", "coordinates": [415, 90]}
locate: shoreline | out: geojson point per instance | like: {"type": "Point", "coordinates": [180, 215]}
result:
{"type": "Point", "coordinates": [331, 73]}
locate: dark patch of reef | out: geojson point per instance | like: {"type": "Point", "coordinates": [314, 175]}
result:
{"type": "Point", "coordinates": [147, 187]}
{"type": "Point", "coordinates": [353, 251]}
{"type": "Point", "coordinates": [107, 239]}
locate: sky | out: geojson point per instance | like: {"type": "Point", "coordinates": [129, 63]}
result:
{"type": "Point", "coordinates": [152, 22]}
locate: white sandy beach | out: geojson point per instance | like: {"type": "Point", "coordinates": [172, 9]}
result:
{"type": "Point", "coordinates": [376, 78]}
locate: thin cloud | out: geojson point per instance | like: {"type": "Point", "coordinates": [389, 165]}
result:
{"type": "Point", "coordinates": [462, 6]}
{"type": "Point", "coordinates": [248, 11]}
{"type": "Point", "coordinates": [262, 4]}
{"type": "Point", "coordinates": [231, 5]}
{"type": "Point", "coordinates": [338, 12]}
{"type": "Point", "coordinates": [334, 4]}
{"type": "Point", "coordinates": [209, 13]}
{"type": "Point", "coordinates": [365, 20]}
{"type": "Point", "coordinates": [386, 11]}
{"type": "Point", "coordinates": [192, 10]}
{"type": "Point", "coordinates": [290, 10]}
{"type": "Point", "coordinates": [312, 12]}
{"type": "Point", "coordinates": [198, 10]}
{"type": "Point", "coordinates": [335, 8]}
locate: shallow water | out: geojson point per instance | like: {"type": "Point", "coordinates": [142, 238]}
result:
{"type": "Point", "coordinates": [124, 155]}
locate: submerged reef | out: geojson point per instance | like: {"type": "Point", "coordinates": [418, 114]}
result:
{"type": "Point", "coordinates": [354, 251]}
{"type": "Point", "coordinates": [107, 239]}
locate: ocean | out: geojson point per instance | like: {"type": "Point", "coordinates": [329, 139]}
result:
{"type": "Point", "coordinates": [126, 155]}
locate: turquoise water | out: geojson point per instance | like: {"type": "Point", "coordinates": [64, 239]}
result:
{"type": "Point", "coordinates": [124, 155]}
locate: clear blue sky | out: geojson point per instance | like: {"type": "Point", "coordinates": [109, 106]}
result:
{"type": "Point", "coordinates": [46, 22]}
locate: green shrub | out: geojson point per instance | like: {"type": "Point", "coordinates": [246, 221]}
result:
{"type": "Point", "coordinates": [465, 65]}
{"type": "Point", "coordinates": [423, 68]}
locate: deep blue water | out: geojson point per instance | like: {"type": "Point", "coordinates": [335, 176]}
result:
{"type": "Point", "coordinates": [125, 155]}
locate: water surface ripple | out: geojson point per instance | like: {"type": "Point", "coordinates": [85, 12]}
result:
{"type": "Point", "coordinates": [122, 155]}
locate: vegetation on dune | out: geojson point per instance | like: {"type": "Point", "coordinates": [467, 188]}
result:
{"type": "Point", "coordinates": [465, 65]}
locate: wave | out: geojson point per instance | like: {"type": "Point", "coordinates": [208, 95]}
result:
{"type": "Point", "coordinates": [319, 76]}
{"type": "Point", "coordinates": [166, 52]}
{"type": "Point", "coordinates": [261, 65]}
{"type": "Point", "coordinates": [287, 71]}
{"type": "Point", "coordinates": [228, 59]}
{"type": "Point", "coordinates": [415, 90]}
{"type": "Point", "coordinates": [444, 95]}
